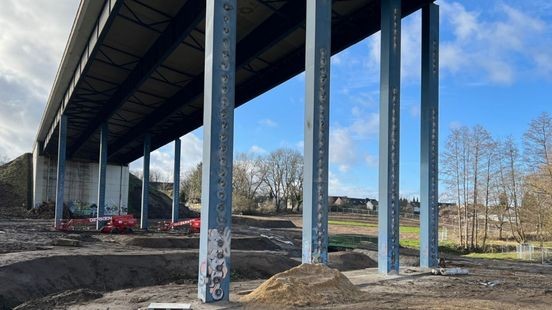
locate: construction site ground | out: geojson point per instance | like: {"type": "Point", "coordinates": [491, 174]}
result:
{"type": "Point", "coordinates": [42, 268]}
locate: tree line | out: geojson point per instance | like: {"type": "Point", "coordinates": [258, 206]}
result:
{"type": "Point", "coordinates": [272, 182]}
{"type": "Point", "coordinates": [498, 183]}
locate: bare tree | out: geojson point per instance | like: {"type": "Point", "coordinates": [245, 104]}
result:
{"type": "Point", "coordinates": [537, 142]}
{"type": "Point", "coordinates": [281, 172]}
{"type": "Point", "coordinates": [450, 167]}
{"type": "Point", "coordinates": [247, 179]}
{"type": "Point", "coordinates": [512, 184]}
{"type": "Point", "coordinates": [490, 157]}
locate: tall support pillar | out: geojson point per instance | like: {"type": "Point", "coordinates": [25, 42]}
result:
{"type": "Point", "coordinates": [176, 181]}
{"type": "Point", "coordinates": [317, 108]}
{"type": "Point", "coordinates": [429, 208]}
{"type": "Point", "coordinates": [102, 167]}
{"type": "Point", "coordinates": [218, 130]}
{"type": "Point", "coordinates": [60, 186]}
{"type": "Point", "coordinates": [388, 215]}
{"type": "Point", "coordinates": [145, 183]}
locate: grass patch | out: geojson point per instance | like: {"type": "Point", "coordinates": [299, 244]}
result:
{"type": "Point", "coordinates": [506, 255]}
{"type": "Point", "coordinates": [409, 229]}
{"type": "Point", "coordinates": [351, 223]}
{"type": "Point", "coordinates": [444, 246]}
{"type": "Point", "coordinates": [402, 229]}
{"type": "Point", "coordinates": [410, 243]}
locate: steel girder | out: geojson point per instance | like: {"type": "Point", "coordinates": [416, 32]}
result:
{"type": "Point", "coordinates": [271, 31]}
{"type": "Point", "coordinates": [218, 119]}
{"type": "Point", "coordinates": [179, 28]}
{"type": "Point", "coordinates": [60, 181]}
{"type": "Point", "coordinates": [102, 169]}
{"type": "Point", "coordinates": [145, 183]}
{"type": "Point", "coordinates": [389, 141]}
{"type": "Point", "coordinates": [317, 125]}
{"type": "Point", "coordinates": [429, 157]}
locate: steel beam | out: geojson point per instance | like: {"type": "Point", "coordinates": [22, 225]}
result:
{"type": "Point", "coordinates": [176, 181]}
{"type": "Point", "coordinates": [429, 181]}
{"type": "Point", "coordinates": [145, 183]}
{"type": "Point", "coordinates": [179, 28]}
{"type": "Point", "coordinates": [218, 128]}
{"type": "Point", "coordinates": [102, 167]}
{"type": "Point", "coordinates": [317, 111]}
{"type": "Point", "coordinates": [388, 211]}
{"type": "Point", "coordinates": [350, 30]}
{"type": "Point", "coordinates": [60, 181]}
{"type": "Point", "coordinates": [271, 31]}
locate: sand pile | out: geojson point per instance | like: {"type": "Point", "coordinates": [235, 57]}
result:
{"type": "Point", "coordinates": [305, 285]}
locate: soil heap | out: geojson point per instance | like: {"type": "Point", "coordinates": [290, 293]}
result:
{"type": "Point", "coordinates": [304, 285]}
{"type": "Point", "coordinates": [160, 204]}
{"type": "Point", "coordinates": [16, 187]}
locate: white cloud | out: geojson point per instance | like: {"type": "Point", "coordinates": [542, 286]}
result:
{"type": "Point", "coordinates": [344, 141]}
{"type": "Point", "coordinates": [255, 149]}
{"type": "Point", "coordinates": [455, 125]}
{"type": "Point", "coordinates": [267, 122]}
{"type": "Point", "coordinates": [32, 40]}
{"type": "Point", "coordinates": [365, 126]}
{"type": "Point", "coordinates": [162, 159]}
{"type": "Point", "coordinates": [338, 187]}
{"type": "Point", "coordinates": [498, 46]}
{"type": "Point", "coordinates": [342, 149]}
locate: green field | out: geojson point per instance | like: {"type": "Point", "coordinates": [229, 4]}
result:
{"type": "Point", "coordinates": [402, 229]}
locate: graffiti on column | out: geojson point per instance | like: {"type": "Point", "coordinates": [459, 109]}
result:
{"type": "Point", "coordinates": [215, 269]}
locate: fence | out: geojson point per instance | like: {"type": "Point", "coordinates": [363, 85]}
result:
{"type": "Point", "coordinates": [529, 252]}
{"type": "Point", "coordinates": [346, 211]}
{"type": "Point", "coordinates": [525, 251]}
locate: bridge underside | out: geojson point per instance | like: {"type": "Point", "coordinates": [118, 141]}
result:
{"type": "Point", "coordinates": [154, 71]}
{"type": "Point", "coordinates": [145, 72]}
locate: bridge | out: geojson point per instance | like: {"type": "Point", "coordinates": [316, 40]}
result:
{"type": "Point", "coordinates": [139, 74]}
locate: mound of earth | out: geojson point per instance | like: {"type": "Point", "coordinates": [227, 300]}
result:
{"type": "Point", "coordinates": [304, 285]}
{"type": "Point", "coordinates": [349, 260]}
{"type": "Point", "coordinates": [16, 187]}
{"type": "Point", "coordinates": [47, 210]}
{"type": "Point", "coordinates": [36, 278]}
{"type": "Point", "coordinates": [60, 300]}
{"type": "Point", "coordinates": [264, 222]}
{"type": "Point", "coordinates": [160, 204]}
{"type": "Point", "coordinates": [238, 243]}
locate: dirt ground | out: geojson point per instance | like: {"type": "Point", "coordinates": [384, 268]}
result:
{"type": "Point", "coordinates": [131, 271]}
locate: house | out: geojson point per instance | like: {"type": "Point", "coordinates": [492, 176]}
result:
{"type": "Point", "coordinates": [353, 203]}
{"type": "Point", "coordinates": [372, 204]}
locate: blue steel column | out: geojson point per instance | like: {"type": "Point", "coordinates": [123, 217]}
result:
{"type": "Point", "coordinates": [218, 129]}
{"type": "Point", "coordinates": [145, 183]}
{"type": "Point", "coordinates": [317, 108]}
{"type": "Point", "coordinates": [388, 215]}
{"type": "Point", "coordinates": [429, 209]}
{"type": "Point", "coordinates": [176, 181]}
{"type": "Point", "coordinates": [60, 186]}
{"type": "Point", "coordinates": [102, 164]}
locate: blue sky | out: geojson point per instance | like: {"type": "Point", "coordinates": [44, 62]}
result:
{"type": "Point", "coordinates": [496, 70]}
